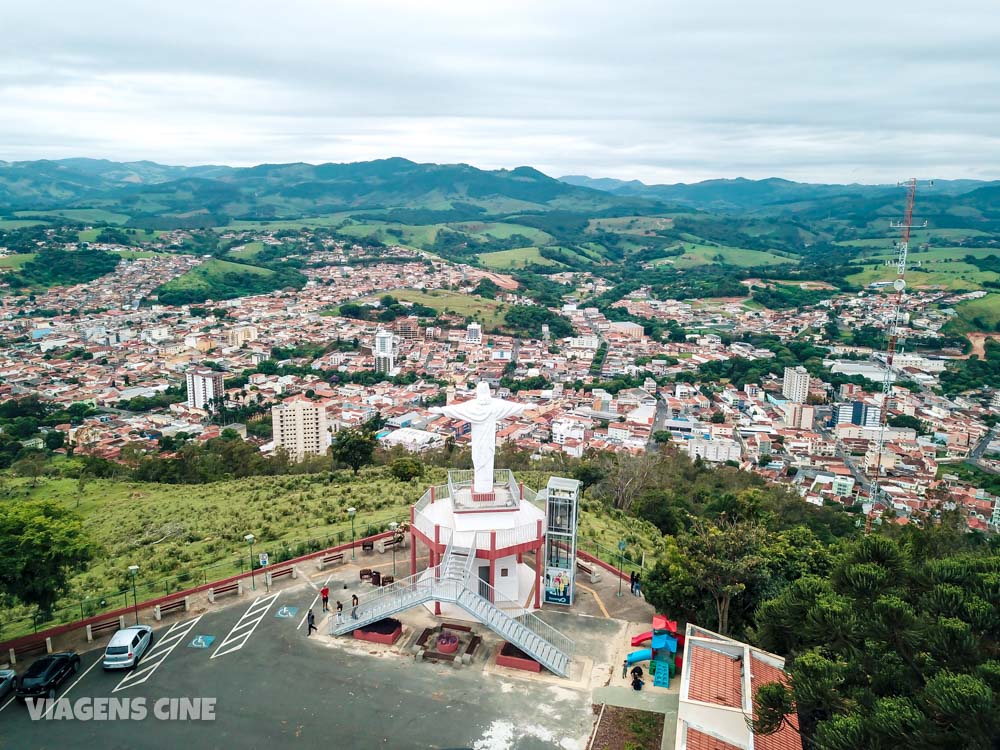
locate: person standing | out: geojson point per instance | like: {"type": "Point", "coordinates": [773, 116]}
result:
{"type": "Point", "coordinates": [638, 585]}
{"type": "Point", "coordinates": [325, 594]}
{"type": "Point", "coordinates": [311, 619]}
{"type": "Point", "coordinates": [631, 583]}
{"type": "Point", "coordinates": [340, 612]}
{"type": "Point", "coordinates": [354, 606]}
{"type": "Point", "coordinates": [624, 668]}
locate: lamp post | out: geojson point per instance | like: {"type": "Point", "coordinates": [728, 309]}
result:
{"type": "Point", "coordinates": [133, 569]}
{"type": "Point", "coordinates": [621, 564]}
{"type": "Point", "coordinates": [250, 540]}
{"type": "Point", "coordinates": [392, 527]}
{"type": "Point", "coordinates": [351, 511]}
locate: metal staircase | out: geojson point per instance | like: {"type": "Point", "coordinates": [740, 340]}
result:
{"type": "Point", "coordinates": [450, 582]}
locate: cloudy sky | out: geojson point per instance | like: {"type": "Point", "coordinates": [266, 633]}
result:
{"type": "Point", "coordinates": [662, 91]}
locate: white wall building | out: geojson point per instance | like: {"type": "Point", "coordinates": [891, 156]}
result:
{"type": "Point", "coordinates": [300, 427]}
{"type": "Point", "coordinates": [203, 387]}
{"type": "Point", "coordinates": [795, 386]}
{"type": "Point", "coordinates": [718, 451]}
{"type": "Point", "coordinates": [385, 351]}
{"type": "Point", "coordinates": [474, 333]}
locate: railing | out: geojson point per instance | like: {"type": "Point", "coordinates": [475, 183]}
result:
{"type": "Point", "coordinates": [373, 606]}
{"type": "Point", "coordinates": [532, 622]}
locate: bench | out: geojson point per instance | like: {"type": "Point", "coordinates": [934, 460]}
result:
{"type": "Point", "coordinates": [43, 646]}
{"type": "Point", "coordinates": [436, 656]}
{"type": "Point", "coordinates": [588, 570]}
{"type": "Point", "coordinates": [424, 636]}
{"type": "Point", "coordinates": [367, 545]}
{"type": "Point", "coordinates": [386, 580]}
{"type": "Point", "coordinates": [450, 626]}
{"type": "Point", "coordinates": [182, 604]}
{"type": "Point", "coordinates": [365, 574]}
{"type": "Point", "coordinates": [385, 544]}
{"type": "Point", "coordinates": [112, 625]}
{"type": "Point", "coordinates": [336, 557]}
{"type": "Point", "coordinates": [230, 588]}
{"type": "Point", "coordinates": [269, 575]}
{"type": "Point", "coordinates": [473, 645]}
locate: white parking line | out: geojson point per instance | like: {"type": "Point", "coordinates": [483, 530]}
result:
{"type": "Point", "coordinates": [315, 599]}
{"type": "Point", "coordinates": [235, 640]}
{"type": "Point", "coordinates": [66, 691]}
{"type": "Point", "coordinates": [13, 697]}
{"type": "Point", "coordinates": [161, 650]}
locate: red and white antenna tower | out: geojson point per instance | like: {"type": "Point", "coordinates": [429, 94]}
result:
{"type": "Point", "coordinates": [892, 339]}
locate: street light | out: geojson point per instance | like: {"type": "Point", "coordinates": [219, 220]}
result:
{"type": "Point", "coordinates": [250, 540]}
{"type": "Point", "coordinates": [351, 512]}
{"type": "Point", "coordinates": [392, 527]}
{"type": "Point", "coordinates": [621, 564]}
{"type": "Point", "coordinates": [133, 569]}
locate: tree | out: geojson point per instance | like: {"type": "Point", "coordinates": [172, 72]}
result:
{"type": "Point", "coordinates": [55, 439]}
{"type": "Point", "coordinates": [32, 466]}
{"type": "Point", "coordinates": [353, 447]}
{"type": "Point", "coordinates": [588, 474]}
{"type": "Point", "coordinates": [406, 468]}
{"type": "Point", "coordinates": [41, 543]}
{"type": "Point", "coordinates": [626, 478]}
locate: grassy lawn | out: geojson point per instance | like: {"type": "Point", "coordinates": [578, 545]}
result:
{"type": "Point", "coordinates": [19, 223]}
{"type": "Point", "coordinates": [502, 231]}
{"type": "Point", "coordinates": [641, 225]}
{"type": "Point", "coordinates": [80, 214]}
{"type": "Point", "coordinates": [976, 315]}
{"type": "Point", "coordinates": [418, 236]}
{"type": "Point", "coordinates": [248, 252]}
{"type": "Point", "coordinates": [184, 535]}
{"type": "Point", "coordinates": [16, 260]}
{"type": "Point", "coordinates": [519, 257]}
{"type": "Point", "coordinates": [211, 271]}
{"type": "Point", "coordinates": [951, 275]}
{"type": "Point", "coordinates": [486, 311]}
{"type": "Point", "coordinates": [700, 255]}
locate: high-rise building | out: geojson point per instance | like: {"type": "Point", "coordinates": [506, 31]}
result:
{"type": "Point", "coordinates": [798, 416]}
{"type": "Point", "coordinates": [240, 335]}
{"type": "Point", "coordinates": [474, 333]}
{"type": "Point", "coordinates": [385, 351]}
{"type": "Point", "coordinates": [796, 384]}
{"type": "Point", "coordinates": [204, 386]}
{"type": "Point", "coordinates": [408, 328]}
{"type": "Point", "coordinates": [300, 427]}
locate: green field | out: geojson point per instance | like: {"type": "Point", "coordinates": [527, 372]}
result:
{"type": "Point", "coordinates": [16, 260]}
{"type": "Point", "coordinates": [185, 535]}
{"type": "Point", "coordinates": [701, 254]}
{"type": "Point", "coordinates": [248, 252]}
{"type": "Point", "coordinates": [981, 314]}
{"type": "Point", "coordinates": [503, 231]}
{"type": "Point", "coordinates": [20, 223]}
{"type": "Point", "coordinates": [392, 233]}
{"type": "Point", "coordinates": [639, 225]}
{"type": "Point", "coordinates": [80, 214]}
{"type": "Point", "coordinates": [950, 275]}
{"type": "Point", "coordinates": [486, 311]}
{"type": "Point", "coordinates": [517, 258]}
{"type": "Point", "coordinates": [203, 276]}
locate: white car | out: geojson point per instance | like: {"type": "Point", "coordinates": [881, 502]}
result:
{"type": "Point", "coordinates": [127, 646]}
{"type": "Point", "coordinates": [8, 677]}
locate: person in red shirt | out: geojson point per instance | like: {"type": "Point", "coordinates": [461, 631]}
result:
{"type": "Point", "coordinates": [325, 593]}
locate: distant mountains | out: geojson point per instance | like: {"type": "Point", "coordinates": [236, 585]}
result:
{"type": "Point", "coordinates": [743, 194]}
{"type": "Point", "coordinates": [155, 195]}
{"type": "Point", "coordinates": [215, 194]}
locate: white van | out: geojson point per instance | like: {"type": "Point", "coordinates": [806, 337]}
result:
{"type": "Point", "coordinates": [127, 646]}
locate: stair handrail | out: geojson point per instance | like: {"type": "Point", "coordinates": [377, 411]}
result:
{"type": "Point", "coordinates": [534, 623]}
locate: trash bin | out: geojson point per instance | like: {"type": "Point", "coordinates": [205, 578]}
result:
{"type": "Point", "coordinates": [376, 578]}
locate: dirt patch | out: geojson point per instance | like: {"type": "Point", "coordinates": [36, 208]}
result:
{"type": "Point", "coordinates": [815, 285]}
{"type": "Point", "coordinates": [979, 343]}
{"type": "Point", "coordinates": [627, 729]}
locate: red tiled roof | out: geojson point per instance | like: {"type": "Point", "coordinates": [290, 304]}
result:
{"type": "Point", "coordinates": [786, 738]}
{"type": "Point", "coordinates": [715, 677]}
{"type": "Point", "coordinates": [700, 741]}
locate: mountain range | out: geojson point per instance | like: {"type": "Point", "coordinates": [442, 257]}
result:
{"type": "Point", "coordinates": [158, 195]}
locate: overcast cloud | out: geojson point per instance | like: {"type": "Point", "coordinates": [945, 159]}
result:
{"type": "Point", "coordinates": [866, 91]}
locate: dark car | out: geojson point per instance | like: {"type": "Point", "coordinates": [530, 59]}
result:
{"type": "Point", "coordinates": [43, 678]}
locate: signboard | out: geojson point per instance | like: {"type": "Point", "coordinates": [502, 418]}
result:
{"type": "Point", "coordinates": [263, 559]}
{"type": "Point", "coordinates": [558, 586]}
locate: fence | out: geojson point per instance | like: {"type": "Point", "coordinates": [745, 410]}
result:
{"type": "Point", "coordinates": [72, 609]}
{"type": "Point", "coordinates": [613, 557]}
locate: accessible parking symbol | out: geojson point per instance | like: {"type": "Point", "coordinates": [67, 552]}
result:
{"type": "Point", "coordinates": [286, 613]}
{"type": "Point", "coordinates": [201, 641]}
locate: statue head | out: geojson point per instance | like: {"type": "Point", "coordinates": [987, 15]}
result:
{"type": "Point", "coordinates": [482, 392]}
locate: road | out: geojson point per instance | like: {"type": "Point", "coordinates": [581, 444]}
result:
{"type": "Point", "coordinates": [822, 414]}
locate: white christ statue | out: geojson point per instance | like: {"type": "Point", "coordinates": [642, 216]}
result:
{"type": "Point", "coordinates": [482, 412]}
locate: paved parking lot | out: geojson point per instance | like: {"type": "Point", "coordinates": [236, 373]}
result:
{"type": "Point", "coordinates": [273, 687]}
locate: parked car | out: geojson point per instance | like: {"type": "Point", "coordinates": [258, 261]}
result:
{"type": "Point", "coordinates": [127, 646]}
{"type": "Point", "coordinates": [43, 678]}
{"type": "Point", "coordinates": [8, 677]}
